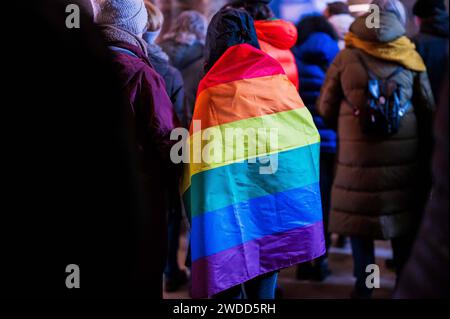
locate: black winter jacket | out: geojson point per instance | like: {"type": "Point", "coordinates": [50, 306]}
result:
{"type": "Point", "coordinates": [432, 45]}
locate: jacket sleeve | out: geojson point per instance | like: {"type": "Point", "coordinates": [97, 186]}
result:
{"type": "Point", "coordinates": [162, 118]}
{"type": "Point", "coordinates": [423, 98]}
{"type": "Point", "coordinates": [331, 95]}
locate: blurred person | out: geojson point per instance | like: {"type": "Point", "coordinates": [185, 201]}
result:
{"type": "Point", "coordinates": [276, 37]}
{"type": "Point", "coordinates": [426, 274]}
{"type": "Point", "coordinates": [432, 40]}
{"type": "Point", "coordinates": [184, 44]}
{"type": "Point", "coordinates": [174, 276]}
{"type": "Point", "coordinates": [358, 8]}
{"type": "Point", "coordinates": [339, 16]}
{"type": "Point", "coordinates": [123, 22]}
{"type": "Point", "coordinates": [75, 149]}
{"type": "Point", "coordinates": [314, 53]}
{"type": "Point", "coordinates": [253, 219]}
{"type": "Point", "coordinates": [160, 61]}
{"type": "Point", "coordinates": [377, 94]}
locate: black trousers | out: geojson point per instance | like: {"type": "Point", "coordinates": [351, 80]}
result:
{"type": "Point", "coordinates": [364, 254]}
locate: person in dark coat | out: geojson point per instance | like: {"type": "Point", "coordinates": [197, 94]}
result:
{"type": "Point", "coordinates": [184, 44]}
{"type": "Point", "coordinates": [382, 182]}
{"type": "Point", "coordinates": [174, 276]}
{"type": "Point", "coordinates": [123, 23]}
{"type": "Point", "coordinates": [70, 180]}
{"type": "Point", "coordinates": [432, 40]}
{"type": "Point", "coordinates": [160, 61]}
{"type": "Point", "coordinates": [426, 274]}
{"type": "Point", "coordinates": [314, 54]}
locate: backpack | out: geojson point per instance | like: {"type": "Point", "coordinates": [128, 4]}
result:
{"type": "Point", "coordinates": [382, 114]}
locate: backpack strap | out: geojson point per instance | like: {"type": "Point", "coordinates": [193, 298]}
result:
{"type": "Point", "coordinates": [366, 67]}
{"type": "Point", "coordinates": [403, 109]}
{"type": "Point", "coordinates": [372, 75]}
{"type": "Point", "coordinates": [396, 72]}
{"type": "Point", "coordinates": [122, 50]}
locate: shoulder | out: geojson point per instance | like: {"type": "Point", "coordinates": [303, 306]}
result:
{"type": "Point", "coordinates": [348, 55]}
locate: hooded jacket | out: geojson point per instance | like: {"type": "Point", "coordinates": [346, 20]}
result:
{"type": "Point", "coordinates": [276, 38]}
{"type": "Point", "coordinates": [313, 58]}
{"type": "Point", "coordinates": [380, 183]}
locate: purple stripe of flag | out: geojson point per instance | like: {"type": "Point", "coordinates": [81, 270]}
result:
{"type": "Point", "coordinates": [216, 273]}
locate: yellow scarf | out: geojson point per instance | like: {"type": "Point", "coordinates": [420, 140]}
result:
{"type": "Point", "coordinates": [402, 51]}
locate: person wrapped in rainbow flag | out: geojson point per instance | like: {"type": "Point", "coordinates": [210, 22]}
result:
{"type": "Point", "coordinates": [251, 187]}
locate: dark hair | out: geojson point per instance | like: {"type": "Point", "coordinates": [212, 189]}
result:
{"type": "Point", "coordinates": [338, 7]}
{"type": "Point", "coordinates": [312, 24]}
{"type": "Point", "coordinates": [229, 27]}
{"type": "Point", "coordinates": [258, 11]}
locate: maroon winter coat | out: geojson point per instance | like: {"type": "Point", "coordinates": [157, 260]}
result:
{"type": "Point", "coordinates": [154, 119]}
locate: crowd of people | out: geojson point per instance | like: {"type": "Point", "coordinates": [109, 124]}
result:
{"type": "Point", "coordinates": [374, 167]}
{"type": "Point", "coordinates": [354, 109]}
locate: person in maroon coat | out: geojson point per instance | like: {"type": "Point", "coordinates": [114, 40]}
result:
{"type": "Point", "coordinates": [123, 23]}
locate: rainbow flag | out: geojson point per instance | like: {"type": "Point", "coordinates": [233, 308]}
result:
{"type": "Point", "coordinates": [255, 207]}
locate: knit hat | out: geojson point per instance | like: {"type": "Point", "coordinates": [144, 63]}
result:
{"type": "Point", "coordinates": [128, 15]}
{"type": "Point", "coordinates": [428, 8]}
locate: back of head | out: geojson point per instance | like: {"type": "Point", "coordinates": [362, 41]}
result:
{"type": "Point", "coordinates": [429, 8]}
{"type": "Point", "coordinates": [393, 6]}
{"type": "Point", "coordinates": [155, 17]}
{"type": "Point", "coordinates": [336, 8]}
{"type": "Point", "coordinates": [313, 24]}
{"type": "Point", "coordinates": [229, 27]}
{"type": "Point", "coordinates": [258, 9]}
{"type": "Point", "coordinates": [128, 15]}
{"type": "Point", "coordinates": [189, 27]}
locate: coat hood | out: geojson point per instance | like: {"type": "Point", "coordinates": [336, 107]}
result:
{"type": "Point", "coordinates": [319, 49]}
{"type": "Point", "coordinates": [278, 33]}
{"type": "Point", "coordinates": [229, 27]}
{"type": "Point", "coordinates": [390, 28]}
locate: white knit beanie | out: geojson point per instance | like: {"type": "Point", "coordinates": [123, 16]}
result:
{"type": "Point", "coordinates": [129, 15]}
